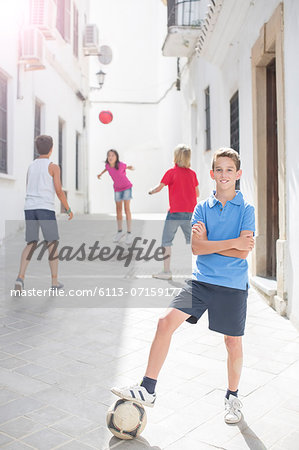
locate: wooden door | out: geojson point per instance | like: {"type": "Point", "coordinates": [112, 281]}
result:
{"type": "Point", "coordinates": [272, 171]}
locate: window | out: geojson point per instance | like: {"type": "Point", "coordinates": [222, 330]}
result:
{"type": "Point", "coordinates": [234, 122]}
{"type": "Point", "coordinates": [61, 127]}
{"type": "Point", "coordinates": [37, 126]}
{"type": "Point", "coordinates": [208, 119]}
{"type": "Point", "coordinates": [75, 31]}
{"type": "Point", "coordinates": [3, 124]}
{"type": "Point", "coordinates": [63, 20]}
{"type": "Point", "coordinates": [78, 162]}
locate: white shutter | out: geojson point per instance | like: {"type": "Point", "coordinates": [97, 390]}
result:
{"type": "Point", "coordinates": [43, 16]}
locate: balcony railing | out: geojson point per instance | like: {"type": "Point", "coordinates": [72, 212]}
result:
{"type": "Point", "coordinates": [184, 13]}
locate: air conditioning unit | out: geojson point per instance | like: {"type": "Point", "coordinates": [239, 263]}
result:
{"type": "Point", "coordinates": [43, 16]}
{"type": "Point", "coordinates": [91, 40]}
{"type": "Point", "coordinates": [32, 47]}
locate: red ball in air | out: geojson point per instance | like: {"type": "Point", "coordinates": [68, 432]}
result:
{"type": "Point", "coordinates": [105, 117]}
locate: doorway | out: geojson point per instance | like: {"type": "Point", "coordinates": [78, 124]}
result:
{"type": "Point", "coordinates": [272, 232]}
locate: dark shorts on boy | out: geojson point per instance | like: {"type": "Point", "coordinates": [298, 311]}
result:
{"type": "Point", "coordinates": [172, 223]}
{"type": "Point", "coordinates": [40, 218]}
{"type": "Point", "coordinates": [226, 306]}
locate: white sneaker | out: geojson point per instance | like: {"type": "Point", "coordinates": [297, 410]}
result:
{"type": "Point", "coordinates": [19, 286]}
{"type": "Point", "coordinates": [232, 413]}
{"type": "Point", "coordinates": [163, 275]}
{"type": "Point", "coordinates": [135, 393]}
{"type": "Point", "coordinates": [129, 239]}
{"type": "Point", "coordinates": [117, 237]}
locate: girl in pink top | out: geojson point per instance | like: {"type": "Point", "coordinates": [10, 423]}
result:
{"type": "Point", "coordinates": [122, 192]}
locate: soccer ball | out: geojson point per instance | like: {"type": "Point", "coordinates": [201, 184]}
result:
{"type": "Point", "coordinates": [126, 419]}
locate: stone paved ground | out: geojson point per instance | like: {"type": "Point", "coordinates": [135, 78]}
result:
{"type": "Point", "coordinates": [57, 364]}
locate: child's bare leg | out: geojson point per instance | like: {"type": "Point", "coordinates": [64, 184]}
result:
{"type": "Point", "coordinates": [167, 260]}
{"type": "Point", "coordinates": [234, 360]}
{"type": "Point", "coordinates": [159, 349]}
{"type": "Point", "coordinates": [53, 262]}
{"type": "Point", "coordinates": [25, 260]}
{"type": "Point", "coordinates": [128, 214]}
{"type": "Point", "coordinates": [119, 215]}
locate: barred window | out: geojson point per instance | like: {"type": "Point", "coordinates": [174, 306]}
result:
{"type": "Point", "coordinates": [78, 162]}
{"type": "Point", "coordinates": [3, 124]}
{"type": "Point", "coordinates": [234, 122]}
{"type": "Point", "coordinates": [208, 118]}
{"type": "Point", "coordinates": [61, 126]}
{"type": "Point", "coordinates": [37, 126]}
{"type": "Point", "coordinates": [234, 126]}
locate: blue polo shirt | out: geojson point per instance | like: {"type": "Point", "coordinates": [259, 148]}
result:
{"type": "Point", "coordinates": [221, 224]}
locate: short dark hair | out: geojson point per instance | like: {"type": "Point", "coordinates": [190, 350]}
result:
{"type": "Point", "coordinates": [228, 153]}
{"type": "Point", "coordinates": [43, 144]}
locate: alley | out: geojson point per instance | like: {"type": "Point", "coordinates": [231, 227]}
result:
{"type": "Point", "coordinates": [58, 363]}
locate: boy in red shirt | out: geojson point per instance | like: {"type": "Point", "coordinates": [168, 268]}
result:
{"type": "Point", "coordinates": [183, 192]}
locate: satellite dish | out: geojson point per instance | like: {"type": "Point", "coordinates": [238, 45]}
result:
{"type": "Point", "coordinates": [105, 56]}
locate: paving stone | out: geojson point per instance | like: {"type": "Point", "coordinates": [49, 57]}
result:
{"type": "Point", "coordinates": [4, 355]}
{"type": "Point", "coordinates": [20, 427]}
{"type": "Point", "coordinates": [135, 444]}
{"type": "Point", "coordinates": [31, 370]}
{"type": "Point", "coordinates": [21, 383]}
{"type": "Point", "coordinates": [46, 439]}
{"type": "Point", "coordinates": [99, 438]}
{"type": "Point", "coordinates": [17, 348]}
{"type": "Point", "coordinates": [6, 396]}
{"type": "Point", "coordinates": [269, 431]}
{"type": "Point", "coordinates": [73, 404]}
{"type": "Point", "coordinates": [186, 443]}
{"type": "Point", "coordinates": [243, 441]}
{"type": "Point", "coordinates": [47, 415]}
{"type": "Point", "coordinates": [17, 445]}
{"type": "Point", "coordinates": [268, 365]}
{"type": "Point", "coordinates": [20, 325]}
{"type": "Point", "coordinates": [12, 363]}
{"type": "Point", "coordinates": [289, 442]}
{"type": "Point", "coordinates": [292, 403]}
{"type": "Point", "coordinates": [75, 426]}
{"type": "Point", "coordinates": [4, 439]}
{"type": "Point", "coordinates": [206, 431]}
{"type": "Point", "coordinates": [18, 407]}
{"type": "Point", "coordinates": [75, 445]}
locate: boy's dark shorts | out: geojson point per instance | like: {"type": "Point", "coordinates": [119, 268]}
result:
{"type": "Point", "coordinates": [226, 306]}
{"type": "Point", "coordinates": [40, 218]}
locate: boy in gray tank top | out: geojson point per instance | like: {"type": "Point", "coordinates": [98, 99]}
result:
{"type": "Point", "coordinates": [43, 181]}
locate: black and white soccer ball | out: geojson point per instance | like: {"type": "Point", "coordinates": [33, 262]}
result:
{"type": "Point", "coordinates": [126, 419]}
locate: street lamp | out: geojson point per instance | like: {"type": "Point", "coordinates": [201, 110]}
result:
{"type": "Point", "coordinates": [101, 78]}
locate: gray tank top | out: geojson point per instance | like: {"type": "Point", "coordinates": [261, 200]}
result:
{"type": "Point", "coordinates": [40, 191]}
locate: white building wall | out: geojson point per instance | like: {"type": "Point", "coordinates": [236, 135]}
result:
{"type": "Point", "coordinates": [143, 131]}
{"type": "Point", "coordinates": [291, 45]}
{"type": "Point", "coordinates": [229, 72]}
{"type": "Point", "coordinates": [55, 87]}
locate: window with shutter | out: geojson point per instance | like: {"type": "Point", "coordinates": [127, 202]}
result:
{"type": "Point", "coordinates": [75, 31]}
{"type": "Point", "coordinates": [3, 124]}
{"type": "Point", "coordinates": [63, 20]}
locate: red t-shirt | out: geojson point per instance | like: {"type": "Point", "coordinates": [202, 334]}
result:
{"type": "Point", "coordinates": [181, 184]}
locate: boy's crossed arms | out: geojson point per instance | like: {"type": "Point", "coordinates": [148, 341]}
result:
{"type": "Point", "coordinates": [235, 248]}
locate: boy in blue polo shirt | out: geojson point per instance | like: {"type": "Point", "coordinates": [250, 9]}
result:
{"type": "Point", "coordinates": [222, 236]}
